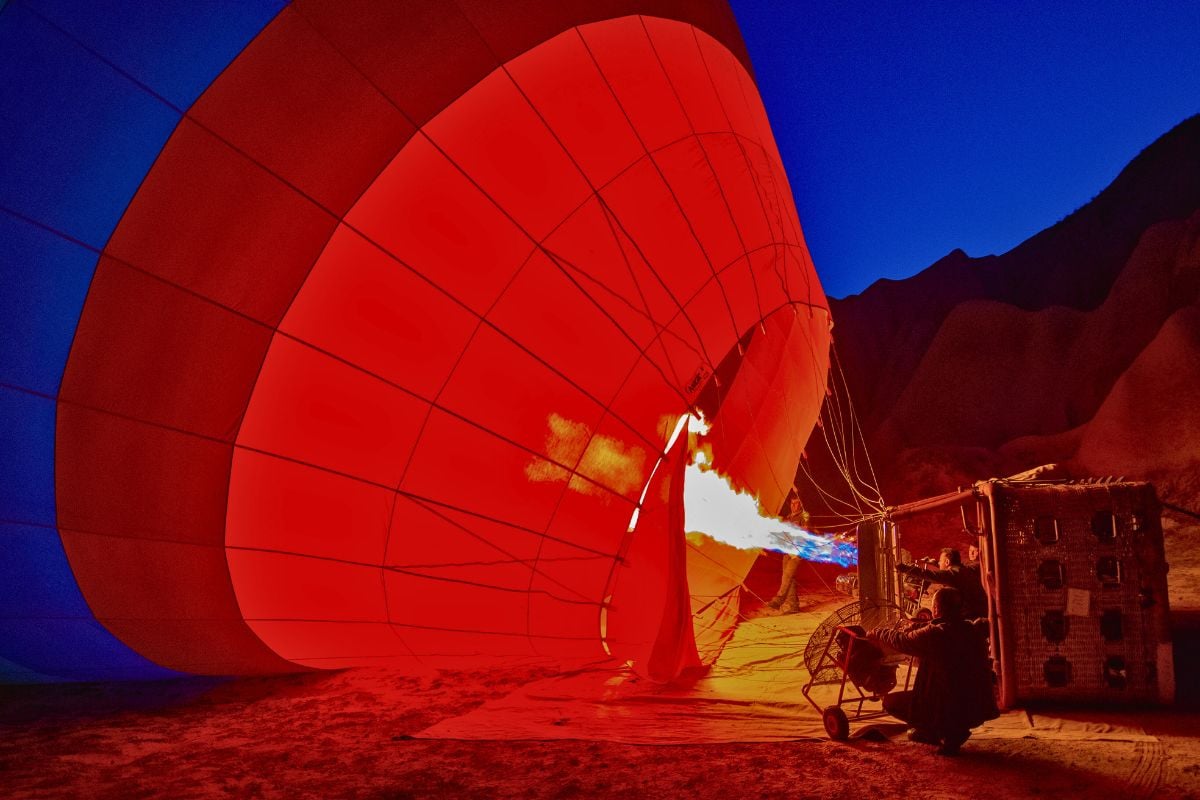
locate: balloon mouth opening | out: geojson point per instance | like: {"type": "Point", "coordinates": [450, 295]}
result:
{"type": "Point", "coordinates": [715, 508]}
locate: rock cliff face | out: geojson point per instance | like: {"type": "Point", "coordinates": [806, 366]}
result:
{"type": "Point", "coordinates": [1081, 345]}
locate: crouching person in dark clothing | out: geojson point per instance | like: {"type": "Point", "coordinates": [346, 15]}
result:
{"type": "Point", "coordinates": [953, 691]}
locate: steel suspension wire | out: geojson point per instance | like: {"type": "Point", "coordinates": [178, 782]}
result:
{"type": "Point", "coordinates": [874, 482]}
{"type": "Point", "coordinates": [845, 442]}
{"type": "Point", "coordinates": [843, 438]}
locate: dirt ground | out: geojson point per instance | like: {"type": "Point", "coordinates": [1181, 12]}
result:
{"type": "Point", "coordinates": [353, 734]}
{"type": "Point", "coordinates": [348, 734]}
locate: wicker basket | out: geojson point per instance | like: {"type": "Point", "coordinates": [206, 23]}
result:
{"type": "Point", "coordinates": [1080, 593]}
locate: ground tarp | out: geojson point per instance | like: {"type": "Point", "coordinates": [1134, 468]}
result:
{"type": "Point", "coordinates": [751, 694]}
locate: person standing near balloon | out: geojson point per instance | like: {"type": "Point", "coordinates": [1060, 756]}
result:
{"type": "Point", "coordinates": [951, 572]}
{"type": "Point", "coordinates": [786, 599]}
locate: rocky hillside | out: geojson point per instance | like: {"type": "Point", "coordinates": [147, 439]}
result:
{"type": "Point", "coordinates": [1080, 345]}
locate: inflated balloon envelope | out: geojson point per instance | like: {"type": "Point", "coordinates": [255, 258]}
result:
{"type": "Point", "coordinates": [344, 333]}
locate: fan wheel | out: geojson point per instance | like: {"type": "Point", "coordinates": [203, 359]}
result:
{"type": "Point", "coordinates": [836, 723]}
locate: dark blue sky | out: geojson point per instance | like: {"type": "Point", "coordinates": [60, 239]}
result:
{"type": "Point", "coordinates": [910, 129]}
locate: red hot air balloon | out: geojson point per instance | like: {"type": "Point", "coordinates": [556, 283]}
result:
{"type": "Point", "coordinates": [382, 361]}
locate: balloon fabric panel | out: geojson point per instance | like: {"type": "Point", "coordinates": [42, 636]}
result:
{"type": "Point", "coordinates": [566, 89]}
{"type": "Point", "coordinates": [547, 329]}
{"type": "Point", "coordinates": [283, 505]}
{"type": "Point", "coordinates": [295, 106]}
{"type": "Point", "coordinates": [519, 26]}
{"type": "Point", "coordinates": [375, 367]}
{"type": "Point", "coordinates": [518, 165]}
{"type": "Point", "coordinates": [78, 134]}
{"type": "Point", "coordinates": [489, 359]}
{"type": "Point", "coordinates": [39, 306]}
{"type": "Point", "coordinates": [101, 87]}
{"type": "Point", "coordinates": [402, 46]}
{"type": "Point", "coordinates": [327, 414]}
{"type": "Point", "coordinates": [345, 311]}
{"type": "Point", "coordinates": [173, 48]}
{"type": "Point", "coordinates": [425, 213]}
{"type": "Point", "coordinates": [217, 228]}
